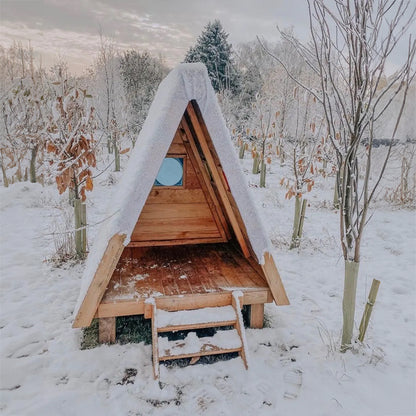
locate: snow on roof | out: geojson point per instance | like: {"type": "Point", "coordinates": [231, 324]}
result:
{"type": "Point", "coordinates": [184, 83]}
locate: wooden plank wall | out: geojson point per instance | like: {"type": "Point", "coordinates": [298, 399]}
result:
{"type": "Point", "coordinates": [177, 214]}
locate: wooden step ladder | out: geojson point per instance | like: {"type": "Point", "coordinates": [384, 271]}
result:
{"type": "Point", "coordinates": [222, 342]}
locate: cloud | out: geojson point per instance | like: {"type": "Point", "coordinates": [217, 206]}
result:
{"type": "Point", "coordinates": [167, 27]}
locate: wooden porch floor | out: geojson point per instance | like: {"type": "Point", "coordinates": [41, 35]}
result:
{"type": "Point", "coordinates": [182, 274]}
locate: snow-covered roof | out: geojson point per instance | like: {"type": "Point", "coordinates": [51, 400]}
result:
{"type": "Point", "coordinates": [184, 83]}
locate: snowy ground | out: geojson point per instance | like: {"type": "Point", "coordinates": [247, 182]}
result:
{"type": "Point", "coordinates": [296, 368]}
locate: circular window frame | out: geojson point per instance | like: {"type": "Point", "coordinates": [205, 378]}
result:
{"type": "Point", "coordinates": [180, 183]}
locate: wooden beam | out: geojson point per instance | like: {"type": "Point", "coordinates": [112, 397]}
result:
{"type": "Point", "coordinates": [217, 179]}
{"type": "Point", "coordinates": [202, 353]}
{"type": "Point", "coordinates": [199, 325]}
{"type": "Point", "coordinates": [107, 330]}
{"type": "Point", "coordinates": [178, 242]}
{"type": "Point", "coordinates": [181, 302]}
{"type": "Point", "coordinates": [257, 315]}
{"type": "Point", "coordinates": [273, 279]}
{"type": "Point", "coordinates": [155, 339]}
{"type": "Point", "coordinates": [237, 305]}
{"type": "Point", "coordinates": [204, 180]}
{"type": "Point", "coordinates": [100, 281]}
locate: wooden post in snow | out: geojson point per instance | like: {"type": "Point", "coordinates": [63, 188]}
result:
{"type": "Point", "coordinates": [80, 227]}
{"type": "Point", "coordinates": [262, 174]}
{"type": "Point", "coordinates": [368, 308]}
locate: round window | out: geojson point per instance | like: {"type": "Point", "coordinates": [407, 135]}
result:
{"type": "Point", "coordinates": [170, 173]}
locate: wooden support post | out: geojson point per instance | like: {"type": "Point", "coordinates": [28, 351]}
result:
{"type": "Point", "coordinates": [84, 227]}
{"type": "Point", "coordinates": [262, 174]}
{"type": "Point", "coordinates": [256, 315]}
{"type": "Point", "coordinates": [348, 303]}
{"type": "Point", "coordinates": [116, 157]}
{"type": "Point", "coordinates": [107, 330]}
{"type": "Point", "coordinates": [78, 233]}
{"type": "Point", "coordinates": [80, 230]}
{"type": "Point", "coordinates": [302, 218]}
{"type": "Point", "coordinates": [296, 221]}
{"type": "Point", "coordinates": [368, 309]}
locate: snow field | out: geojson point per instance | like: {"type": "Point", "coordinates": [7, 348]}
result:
{"type": "Point", "coordinates": [295, 366]}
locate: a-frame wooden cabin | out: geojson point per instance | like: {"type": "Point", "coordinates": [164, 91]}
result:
{"type": "Point", "coordinates": [183, 233]}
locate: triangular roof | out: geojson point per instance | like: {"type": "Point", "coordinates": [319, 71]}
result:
{"type": "Point", "coordinates": [185, 84]}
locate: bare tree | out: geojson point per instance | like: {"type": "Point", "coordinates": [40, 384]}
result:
{"type": "Point", "coordinates": [71, 148]}
{"type": "Point", "coordinates": [352, 43]}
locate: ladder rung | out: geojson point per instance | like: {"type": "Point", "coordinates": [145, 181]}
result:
{"type": "Point", "coordinates": [200, 354]}
{"type": "Point", "coordinates": [185, 327]}
{"type": "Point", "coordinates": [192, 345]}
{"type": "Point", "coordinates": [206, 316]}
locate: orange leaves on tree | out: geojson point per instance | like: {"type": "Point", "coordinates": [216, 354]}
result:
{"type": "Point", "coordinates": [73, 149]}
{"type": "Point", "coordinates": [88, 184]}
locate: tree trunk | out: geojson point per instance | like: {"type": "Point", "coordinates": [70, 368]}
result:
{"type": "Point", "coordinates": [348, 302]}
{"type": "Point", "coordinates": [33, 155]}
{"type": "Point", "coordinates": [116, 158]}
{"type": "Point", "coordinates": [336, 193]}
{"type": "Point", "coordinates": [5, 180]}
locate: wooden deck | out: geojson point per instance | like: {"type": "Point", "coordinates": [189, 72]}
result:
{"type": "Point", "coordinates": [182, 277]}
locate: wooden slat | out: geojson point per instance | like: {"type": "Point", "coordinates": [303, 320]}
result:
{"type": "Point", "coordinates": [100, 281]}
{"type": "Point", "coordinates": [181, 302]}
{"type": "Point", "coordinates": [159, 195]}
{"type": "Point", "coordinates": [120, 308]}
{"type": "Point", "coordinates": [175, 211]}
{"type": "Point", "coordinates": [237, 305]}
{"type": "Point", "coordinates": [200, 354]}
{"type": "Point", "coordinates": [274, 281]}
{"type": "Point", "coordinates": [199, 325]}
{"type": "Point", "coordinates": [177, 138]}
{"type": "Point", "coordinates": [216, 176]}
{"type": "Point", "coordinates": [192, 232]}
{"type": "Point", "coordinates": [181, 241]}
{"type": "Point", "coordinates": [176, 149]}
{"type": "Point", "coordinates": [155, 349]}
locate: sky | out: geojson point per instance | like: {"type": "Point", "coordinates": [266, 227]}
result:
{"type": "Point", "coordinates": [70, 30]}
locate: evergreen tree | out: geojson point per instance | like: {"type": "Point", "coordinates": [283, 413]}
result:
{"type": "Point", "coordinates": [213, 50]}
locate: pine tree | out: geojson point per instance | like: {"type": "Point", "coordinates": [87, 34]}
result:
{"type": "Point", "coordinates": [213, 49]}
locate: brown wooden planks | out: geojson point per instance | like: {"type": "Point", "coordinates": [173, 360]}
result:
{"type": "Point", "coordinates": [100, 281]}
{"type": "Point", "coordinates": [181, 270]}
{"type": "Point", "coordinates": [217, 179]}
{"type": "Point", "coordinates": [204, 179]}
{"type": "Point", "coordinates": [159, 195]}
{"type": "Point", "coordinates": [179, 213]}
{"type": "Point", "coordinates": [274, 281]}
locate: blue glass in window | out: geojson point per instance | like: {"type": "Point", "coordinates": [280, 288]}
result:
{"type": "Point", "coordinates": [171, 172]}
